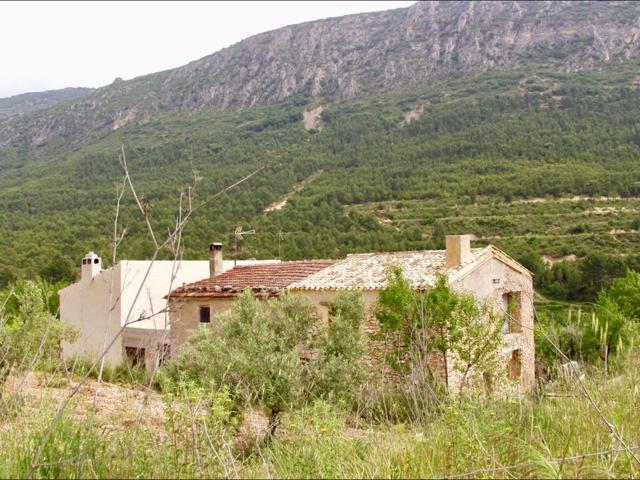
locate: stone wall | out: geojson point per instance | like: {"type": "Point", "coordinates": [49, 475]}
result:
{"type": "Point", "coordinates": [488, 282]}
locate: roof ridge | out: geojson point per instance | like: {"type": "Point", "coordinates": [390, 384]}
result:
{"type": "Point", "coordinates": [398, 252]}
{"type": "Point", "coordinates": [281, 262]}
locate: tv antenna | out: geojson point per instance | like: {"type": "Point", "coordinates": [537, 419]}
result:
{"type": "Point", "coordinates": [281, 236]}
{"type": "Point", "coordinates": [238, 235]}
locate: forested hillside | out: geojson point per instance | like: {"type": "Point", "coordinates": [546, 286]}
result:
{"type": "Point", "coordinates": [482, 144]}
{"type": "Point", "coordinates": [540, 157]}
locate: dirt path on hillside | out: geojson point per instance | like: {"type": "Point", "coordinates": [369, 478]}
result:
{"type": "Point", "coordinates": [296, 188]}
{"type": "Point", "coordinates": [575, 198]}
{"type": "Point", "coordinates": [312, 119]}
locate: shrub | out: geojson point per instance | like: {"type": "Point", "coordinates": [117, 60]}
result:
{"type": "Point", "coordinates": [256, 351]}
{"type": "Point", "coordinates": [625, 293]}
{"type": "Point", "coordinates": [29, 334]}
{"type": "Point", "coordinates": [602, 332]}
{"type": "Point", "coordinates": [338, 368]}
{"type": "Point", "coordinates": [441, 320]}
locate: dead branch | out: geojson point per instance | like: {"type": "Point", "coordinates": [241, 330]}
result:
{"type": "Point", "coordinates": [172, 239]}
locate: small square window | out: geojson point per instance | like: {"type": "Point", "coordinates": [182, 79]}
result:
{"type": "Point", "coordinates": [205, 314]}
{"type": "Point", "coordinates": [135, 355]}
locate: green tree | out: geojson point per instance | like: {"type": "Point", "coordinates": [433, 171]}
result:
{"type": "Point", "coordinates": [625, 293]}
{"type": "Point", "coordinates": [59, 269]}
{"type": "Point", "coordinates": [6, 277]}
{"type": "Point", "coordinates": [30, 334]}
{"type": "Point", "coordinates": [615, 322]}
{"type": "Point", "coordinates": [599, 271]}
{"type": "Point", "coordinates": [440, 319]}
{"type": "Point", "coordinates": [338, 368]}
{"type": "Point", "coordinates": [267, 353]}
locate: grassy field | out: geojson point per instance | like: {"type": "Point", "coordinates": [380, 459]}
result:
{"type": "Point", "coordinates": [131, 431]}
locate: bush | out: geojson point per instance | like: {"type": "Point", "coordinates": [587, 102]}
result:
{"type": "Point", "coordinates": [256, 351]}
{"type": "Point", "coordinates": [442, 321]}
{"type": "Point", "coordinates": [338, 368]}
{"type": "Point", "coordinates": [600, 332]}
{"type": "Point", "coordinates": [625, 293]}
{"type": "Point", "coordinates": [29, 334]}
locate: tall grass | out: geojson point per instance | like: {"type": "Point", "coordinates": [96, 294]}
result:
{"type": "Point", "coordinates": [488, 437]}
{"type": "Point", "coordinates": [471, 435]}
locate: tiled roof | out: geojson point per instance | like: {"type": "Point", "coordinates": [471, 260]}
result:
{"type": "Point", "coordinates": [267, 278]}
{"type": "Point", "coordinates": [367, 271]}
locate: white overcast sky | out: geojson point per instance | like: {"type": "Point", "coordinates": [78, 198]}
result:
{"type": "Point", "coordinates": [49, 45]}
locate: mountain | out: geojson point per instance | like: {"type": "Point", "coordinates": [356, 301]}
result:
{"type": "Point", "coordinates": [342, 58]}
{"type": "Point", "coordinates": [30, 102]}
{"type": "Point", "coordinates": [511, 121]}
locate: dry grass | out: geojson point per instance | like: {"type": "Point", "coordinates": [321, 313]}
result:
{"type": "Point", "coordinates": [111, 406]}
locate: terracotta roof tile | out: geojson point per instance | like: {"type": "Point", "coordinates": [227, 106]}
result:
{"type": "Point", "coordinates": [268, 278]}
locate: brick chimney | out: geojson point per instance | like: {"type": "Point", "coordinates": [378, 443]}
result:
{"type": "Point", "coordinates": [458, 250]}
{"type": "Point", "coordinates": [215, 259]}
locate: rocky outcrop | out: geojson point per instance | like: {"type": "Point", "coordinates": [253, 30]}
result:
{"type": "Point", "coordinates": [30, 102]}
{"type": "Point", "coordinates": [340, 58]}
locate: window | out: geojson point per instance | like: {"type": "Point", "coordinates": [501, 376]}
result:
{"type": "Point", "coordinates": [505, 312]}
{"type": "Point", "coordinates": [327, 310]}
{"type": "Point", "coordinates": [135, 355]}
{"type": "Point", "coordinates": [511, 312]}
{"type": "Point", "coordinates": [164, 353]}
{"type": "Point", "coordinates": [205, 314]}
{"type": "Point", "coordinates": [515, 365]}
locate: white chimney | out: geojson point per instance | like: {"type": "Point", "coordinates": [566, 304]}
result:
{"type": "Point", "coordinates": [458, 250]}
{"type": "Point", "coordinates": [215, 259]}
{"type": "Point", "coordinates": [91, 266]}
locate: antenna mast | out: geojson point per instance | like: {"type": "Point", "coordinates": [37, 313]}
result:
{"type": "Point", "coordinates": [238, 234]}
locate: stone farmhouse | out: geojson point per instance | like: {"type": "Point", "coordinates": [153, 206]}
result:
{"type": "Point", "coordinates": [197, 304]}
{"type": "Point", "coordinates": [127, 303]}
{"type": "Point", "coordinates": [488, 273]}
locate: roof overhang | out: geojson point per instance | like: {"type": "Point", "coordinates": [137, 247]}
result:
{"type": "Point", "coordinates": [492, 252]}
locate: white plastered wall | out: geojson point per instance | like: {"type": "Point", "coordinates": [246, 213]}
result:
{"type": "Point", "coordinates": [87, 307]}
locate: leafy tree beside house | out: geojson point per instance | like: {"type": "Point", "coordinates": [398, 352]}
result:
{"type": "Point", "coordinates": [466, 334]}
{"type": "Point", "coordinates": [274, 354]}
{"type": "Point", "coordinates": [30, 333]}
{"type": "Point", "coordinates": [616, 321]}
{"type": "Point", "coordinates": [625, 293]}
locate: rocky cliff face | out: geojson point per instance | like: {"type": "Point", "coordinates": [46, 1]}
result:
{"type": "Point", "coordinates": [30, 102]}
{"type": "Point", "coordinates": [341, 58]}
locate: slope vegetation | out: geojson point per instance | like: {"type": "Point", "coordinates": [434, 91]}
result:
{"type": "Point", "coordinates": [482, 143]}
